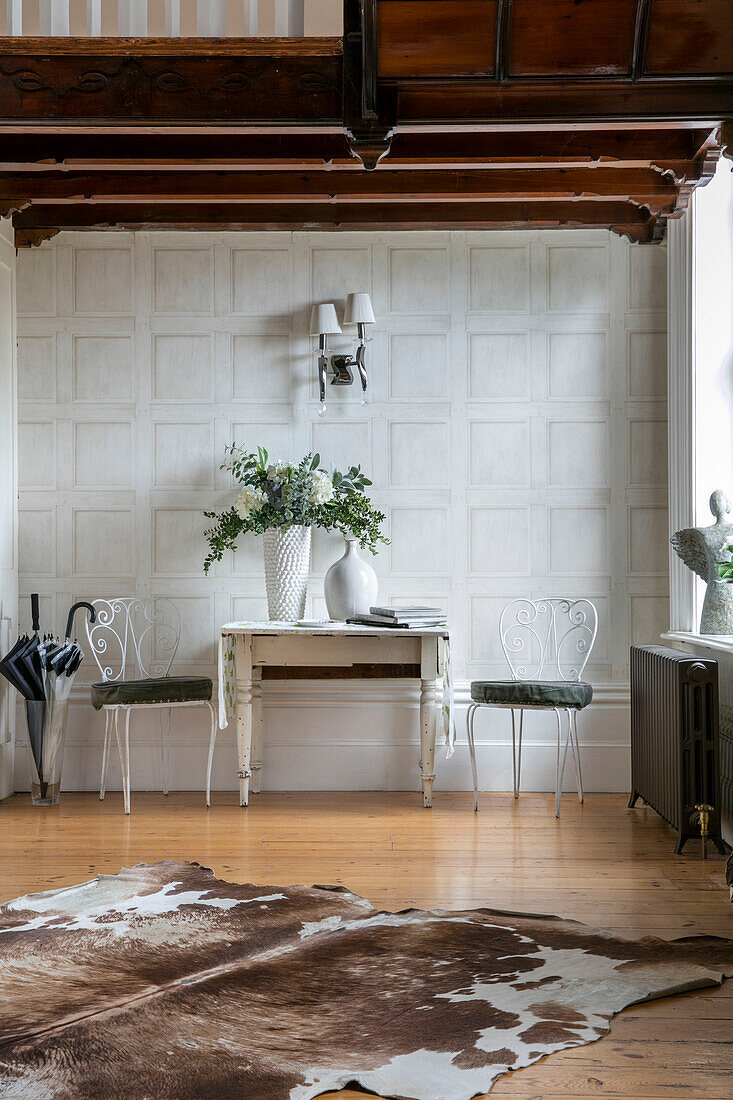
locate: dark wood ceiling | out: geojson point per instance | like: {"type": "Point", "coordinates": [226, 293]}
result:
{"type": "Point", "coordinates": [429, 114]}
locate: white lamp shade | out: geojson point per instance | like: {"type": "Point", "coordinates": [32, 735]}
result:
{"type": "Point", "coordinates": [359, 310]}
{"type": "Point", "coordinates": [324, 319]}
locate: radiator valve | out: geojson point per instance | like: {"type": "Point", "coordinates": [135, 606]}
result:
{"type": "Point", "coordinates": [701, 817]}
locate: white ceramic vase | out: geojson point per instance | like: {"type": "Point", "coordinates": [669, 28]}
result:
{"type": "Point", "coordinates": [287, 565]}
{"type": "Point", "coordinates": [350, 585]}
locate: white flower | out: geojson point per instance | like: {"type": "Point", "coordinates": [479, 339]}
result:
{"type": "Point", "coordinates": [321, 490]}
{"type": "Point", "coordinates": [276, 471]}
{"type": "Point", "coordinates": [249, 500]}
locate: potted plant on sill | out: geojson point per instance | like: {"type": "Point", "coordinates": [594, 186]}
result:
{"type": "Point", "coordinates": [283, 502]}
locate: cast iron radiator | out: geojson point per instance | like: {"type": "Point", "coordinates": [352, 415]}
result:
{"type": "Point", "coordinates": [674, 739]}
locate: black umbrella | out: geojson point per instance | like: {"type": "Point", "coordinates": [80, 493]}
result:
{"type": "Point", "coordinates": [22, 666]}
{"type": "Point", "coordinates": [42, 670]}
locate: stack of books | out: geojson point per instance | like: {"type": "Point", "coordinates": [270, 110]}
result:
{"type": "Point", "coordinates": [404, 617]}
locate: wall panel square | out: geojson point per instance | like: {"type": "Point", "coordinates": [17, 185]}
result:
{"type": "Point", "coordinates": [102, 368]}
{"type": "Point", "coordinates": [578, 541]}
{"type": "Point", "coordinates": [423, 527]}
{"type": "Point", "coordinates": [179, 547]}
{"type": "Point", "coordinates": [261, 368]}
{"type": "Point", "coordinates": [260, 281]}
{"type": "Point", "coordinates": [498, 279]}
{"type": "Point", "coordinates": [37, 542]}
{"type": "Point", "coordinates": [102, 544]}
{"type": "Point", "coordinates": [102, 280]}
{"type": "Point", "coordinates": [498, 366]}
{"type": "Point", "coordinates": [418, 366]}
{"type": "Point", "coordinates": [183, 455]}
{"type": "Point", "coordinates": [36, 368]}
{"type": "Point", "coordinates": [183, 280]}
{"type": "Point", "coordinates": [103, 454]}
{"type": "Point", "coordinates": [37, 454]}
{"type": "Point", "coordinates": [36, 283]}
{"type": "Point", "coordinates": [418, 454]}
{"type": "Point", "coordinates": [647, 364]}
{"type": "Point", "coordinates": [498, 454]}
{"type": "Point", "coordinates": [499, 541]}
{"type": "Point", "coordinates": [182, 367]}
{"type": "Point", "coordinates": [577, 278]}
{"type": "Point", "coordinates": [577, 454]}
{"type": "Point", "coordinates": [577, 364]}
{"type": "Point", "coordinates": [418, 280]}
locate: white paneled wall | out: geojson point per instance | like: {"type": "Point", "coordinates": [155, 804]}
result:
{"type": "Point", "coordinates": [515, 434]}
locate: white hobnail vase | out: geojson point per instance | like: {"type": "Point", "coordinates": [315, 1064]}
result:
{"type": "Point", "coordinates": [287, 553]}
{"type": "Point", "coordinates": [350, 585]}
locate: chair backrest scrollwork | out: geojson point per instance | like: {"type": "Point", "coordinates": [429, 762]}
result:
{"type": "Point", "coordinates": [134, 638]}
{"type": "Point", "coordinates": [548, 639]}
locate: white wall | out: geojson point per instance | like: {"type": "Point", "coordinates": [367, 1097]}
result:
{"type": "Point", "coordinates": [8, 496]}
{"type": "Point", "coordinates": [713, 353]}
{"type": "Point", "coordinates": [516, 437]}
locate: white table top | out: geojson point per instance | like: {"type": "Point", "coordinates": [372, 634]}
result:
{"type": "Point", "coordinates": [329, 629]}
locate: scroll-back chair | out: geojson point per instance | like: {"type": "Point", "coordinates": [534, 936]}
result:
{"type": "Point", "coordinates": [142, 634]}
{"type": "Point", "coordinates": [547, 644]}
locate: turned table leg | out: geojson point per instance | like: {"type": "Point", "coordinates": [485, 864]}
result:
{"type": "Point", "coordinates": [431, 698]}
{"type": "Point", "coordinates": [244, 716]}
{"type": "Point", "coordinates": [256, 762]}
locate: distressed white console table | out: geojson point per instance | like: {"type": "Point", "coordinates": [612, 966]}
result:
{"type": "Point", "coordinates": [252, 652]}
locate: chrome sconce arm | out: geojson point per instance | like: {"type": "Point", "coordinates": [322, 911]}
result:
{"type": "Point", "coordinates": [342, 367]}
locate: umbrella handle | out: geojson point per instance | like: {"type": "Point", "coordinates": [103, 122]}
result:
{"type": "Point", "coordinates": [35, 616]}
{"type": "Point", "coordinates": [72, 611]}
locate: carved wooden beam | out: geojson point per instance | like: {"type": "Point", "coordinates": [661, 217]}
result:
{"type": "Point", "coordinates": [622, 217]}
{"type": "Point", "coordinates": [642, 186]}
{"type": "Point", "coordinates": [675, 150]}
{"type": "Point", "coordinates": [277, 81]}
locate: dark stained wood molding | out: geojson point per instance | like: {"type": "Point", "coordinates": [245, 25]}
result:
{"type": "Point", "coordinates": [503, 30]}
{"type": "Point", "coordinates": [643, 186]}
{"type": "Point", "coordinates": [623, 217]}
{"type": "Point", "coordinates": [438, 104]}
{"type": "Point", "coordinates": [317, 46]}
{"type": "Point", "coordinates": [368, 125]}
{"type": "Point", "coordinates": [668, 149]}
{"type": "Point", "coordinates": [66, 87]}
{"type": "Point", "coordinates": [641, 38]}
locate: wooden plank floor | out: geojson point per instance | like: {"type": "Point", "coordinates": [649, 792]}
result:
{"type": "Point", "coordinates": [601, 863]}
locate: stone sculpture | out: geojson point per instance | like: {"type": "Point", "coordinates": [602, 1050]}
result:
{"type": "Point", "coordinates": [700, 548]}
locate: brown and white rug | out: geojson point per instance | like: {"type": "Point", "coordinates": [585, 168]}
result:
{"type": "Point", "coordinates": [165, 983]}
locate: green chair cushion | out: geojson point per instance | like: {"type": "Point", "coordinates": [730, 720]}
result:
{"type": "Point", "coordinates": [532, 693]}
{"type": "Point", "coordinates": [168, 689]}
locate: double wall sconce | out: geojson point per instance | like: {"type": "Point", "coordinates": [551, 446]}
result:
{"type": "Point", "coordinates": [324, 323]}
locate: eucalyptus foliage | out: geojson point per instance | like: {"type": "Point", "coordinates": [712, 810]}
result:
{"type": "Point", "coordinates": [286, 494]}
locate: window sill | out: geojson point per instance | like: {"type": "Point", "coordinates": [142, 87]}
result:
{"type": "Point", "coordinates": [720, 643]}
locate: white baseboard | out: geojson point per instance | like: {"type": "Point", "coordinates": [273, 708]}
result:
{"type": "Point", "coordinates": [348, 736]}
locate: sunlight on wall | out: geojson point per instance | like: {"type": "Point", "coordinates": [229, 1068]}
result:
{"type": "Point", "coordinates": [714, 339]}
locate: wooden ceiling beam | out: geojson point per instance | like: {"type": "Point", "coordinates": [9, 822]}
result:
{"type": "Point", "coordinates": [702, 100]}
{"type": "Point", "coordinates": [666, 149]}
{"type": "Point", "coordinates": [36, 221]}
{"type": "Point", "coordinates": [641, 186]}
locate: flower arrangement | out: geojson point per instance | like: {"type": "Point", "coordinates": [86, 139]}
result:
{"type": "Point", "coordinates": [288, 494]}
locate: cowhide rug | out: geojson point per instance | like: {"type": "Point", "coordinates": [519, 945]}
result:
{"type": "Point", "coordinates": [164, 982]}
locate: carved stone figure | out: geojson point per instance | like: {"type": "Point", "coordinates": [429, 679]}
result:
{"type": "Point", "coordinates": [700, 549]}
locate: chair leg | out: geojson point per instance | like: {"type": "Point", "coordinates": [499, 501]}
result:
{"type": "Point", "coordinates": [212, 743]}
{"type": "Point", "coordinates": [577, 755]}
{"type": "Point", "coordinates": [105, 753]}
{"type": "Point", "coordinates": [472, 751]}
{"type": "Point", "coordinates": [517, 752]}
{"type": "Point", "coordinates": [124, 758]}
{"type": "Point", "coordinates": [559, 770]}
{"type": "Point", "coordinates": [165, 732]}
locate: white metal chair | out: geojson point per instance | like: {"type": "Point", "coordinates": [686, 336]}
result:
{"type": "Point", "coordinates": [144, 634]}
{"type": "Point", "coordinates": [553, 635]}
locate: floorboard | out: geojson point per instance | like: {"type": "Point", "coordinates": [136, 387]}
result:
{"type": "Point", "coordinates": [601, 863]}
